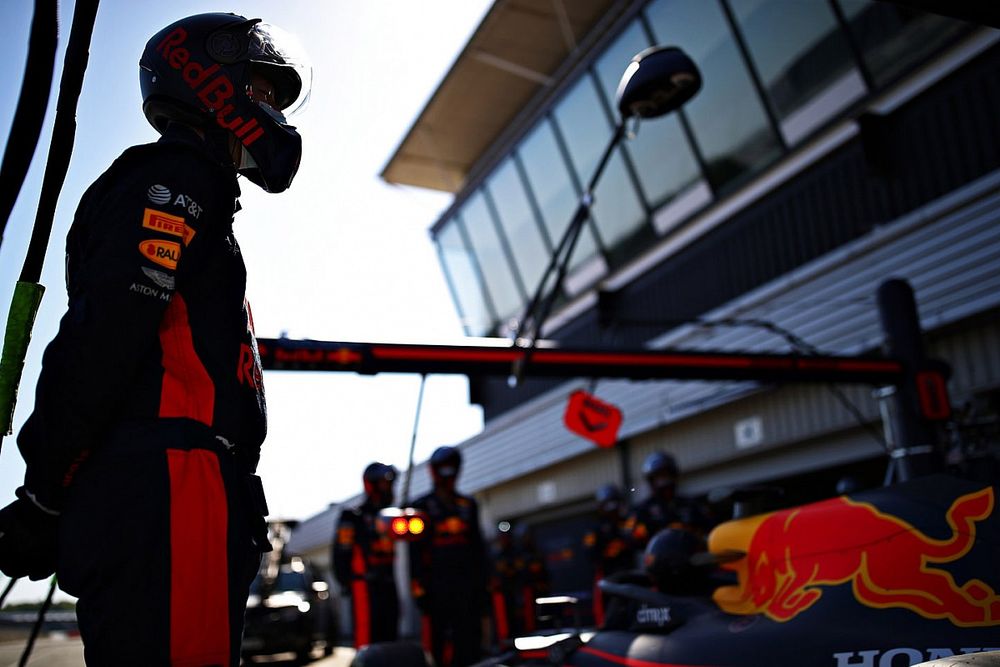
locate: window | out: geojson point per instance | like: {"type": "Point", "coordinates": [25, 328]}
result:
{"type": "Point", "coordinates": [463, 276]}
{"type": "Point", "coordinates": [727, 118]}
{"type": "Point", "coordinates": [617, 210]}
{"type": "Point", "coordinates": [491, 255]}
{"type": "Point", "coordinates": [664, 161]}
{"type": "Point", "coordinates": [893, 38]}
{"type": "Point", "coordinates": [808, 73]}
{"type": "Point", "coordinates": [517, 218]}
{"type": "Point", "coordinates": [549, 180]}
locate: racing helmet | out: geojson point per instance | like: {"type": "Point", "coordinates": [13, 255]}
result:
{"type": "Point", "coordinates": [378, 479]}
{"type": "Point", "coordinates": [660, 470]}
{"type": "Point", "coordinates": [609, 499]}
{"type": "Point", "coordinates": [667, 560]}
{"type": "Point", "coordinates": [200, 71]}
{"type": "Point", "coordinates": [446, 461]}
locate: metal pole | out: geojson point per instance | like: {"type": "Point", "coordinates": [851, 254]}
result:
{"type": "Point", "coordinates": [530, 326]}
{"type": "Point", "coordinates": [413, 442]}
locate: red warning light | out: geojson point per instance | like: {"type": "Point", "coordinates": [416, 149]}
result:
{"type": "Point", "coordinates": [403, 523]}
{"type": "Point", "coordinates": [399, 526]}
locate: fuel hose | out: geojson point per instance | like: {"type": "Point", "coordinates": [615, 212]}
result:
{"type": "Point", "coordinates": [28, 292]}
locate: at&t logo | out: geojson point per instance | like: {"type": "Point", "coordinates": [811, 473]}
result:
{"type": "Point", "coordinates": [158, 194]}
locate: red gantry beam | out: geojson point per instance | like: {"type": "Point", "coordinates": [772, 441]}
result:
{"type": "Point", "coordinates": [496, 357]}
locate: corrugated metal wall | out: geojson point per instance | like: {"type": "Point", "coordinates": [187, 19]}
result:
{"type": "Point", "coordinates": [551, 487]}
{"type": "Point", "coordinates": [949, 251]}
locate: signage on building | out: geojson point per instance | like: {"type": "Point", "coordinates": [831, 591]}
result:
{"type": "Point", "coordinates": [590, 417]}
{"type": "Point", "coordinates": [749, 432]}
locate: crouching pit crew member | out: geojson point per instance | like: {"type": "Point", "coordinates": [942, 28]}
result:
{"type": "Point", "coordinates": [664, 508]}
{"type": "Point", "coordinates": [149, 411]}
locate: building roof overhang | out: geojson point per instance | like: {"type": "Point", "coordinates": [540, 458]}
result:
{"type": "Point", "coordinates": [517, 52]}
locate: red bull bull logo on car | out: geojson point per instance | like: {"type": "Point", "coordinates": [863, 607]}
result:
{"type": "Point", "coordinates": [792, 555]}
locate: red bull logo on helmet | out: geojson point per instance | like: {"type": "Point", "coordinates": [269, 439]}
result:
{"type": "Point", "coordinates": [213, 88]}
{"type": "Point", "coordinates": [793, 555]}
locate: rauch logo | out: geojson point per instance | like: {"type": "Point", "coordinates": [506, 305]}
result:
{"type": "Point", "coordinates": [164, 253]}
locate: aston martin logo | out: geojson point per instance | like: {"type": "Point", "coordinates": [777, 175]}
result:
{"type": "Point", "coordinates": [159, 277]}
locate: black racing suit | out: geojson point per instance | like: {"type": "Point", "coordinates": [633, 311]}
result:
{"type": "Point", "coordinates": [363, 563]}
{"type": "Point", "coordinates": [149, 413]}
{"type": "Point", "coordinates": [505, 589]}
{"type": "Point", "coordinates": [654, 514]}
{"type": "Point", "coordinates": [610, 550]}
{"type": "Point", "coordinates": [448, 579]}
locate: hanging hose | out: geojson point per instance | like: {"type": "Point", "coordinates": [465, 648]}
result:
{"type": "Point", "coordinates": [31, 106]}
{"type": "Point", "coordinates": [21, 144]}
{"type": "Point", "coordinates": [28, 292]}
{"type": "Point", "coordinates": [31, 110]}
{"type": "Point", "coordinates": [63, 135]}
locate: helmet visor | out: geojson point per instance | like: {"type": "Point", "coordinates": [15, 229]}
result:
{"type": "Point", "coordinates": [278, 56]}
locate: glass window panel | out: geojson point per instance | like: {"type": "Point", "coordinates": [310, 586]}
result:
{"type": "Point", "coordinates": [664, 161]}
{"type": "Point", "coordinates": [727, 118]}
{"type": "Point", "coordinates": [486, 245]}
{"type": "Point", "coordinates": [617, 210]}
{"type": "Point", "coordinates": [549, 179]}
{"type": "Point", "coordinates": [894, 38]}
{"type": "Point", "coordinates": [612, 63]}
{"type": "Point", "coordinates": [519, 224]}
{"type": "Point", "coordinates": [461, 270]}
{"type": "Point", "coordinates": [812, 56]}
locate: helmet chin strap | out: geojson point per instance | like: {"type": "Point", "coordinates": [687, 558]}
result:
{"type": "Point", "coordinates": [246, 160]}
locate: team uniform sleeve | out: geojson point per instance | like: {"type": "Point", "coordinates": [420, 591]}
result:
{"type": "Point", "coordinates": [124, 258]}
{"type": "Point", "coordinates": [418, 552]}
{"type": "Point", "coordinates": [636, 529]}
{"type": "Point", "coordinates": [480, 553]}
{"type": "Point", "coordinates": [344, 539]}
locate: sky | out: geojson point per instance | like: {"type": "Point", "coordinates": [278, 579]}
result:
{"type": "Point", "coordinates": [340, 256]}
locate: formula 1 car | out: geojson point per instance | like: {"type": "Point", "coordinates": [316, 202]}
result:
{"type": "Point", "coordinates": [894, 576]}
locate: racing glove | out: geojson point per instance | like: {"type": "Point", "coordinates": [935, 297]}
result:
{"type": "Point", "coordinates": [28, 538]}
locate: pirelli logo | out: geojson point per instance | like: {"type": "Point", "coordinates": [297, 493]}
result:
{"type": "Point", "coordinates": [166, 223]}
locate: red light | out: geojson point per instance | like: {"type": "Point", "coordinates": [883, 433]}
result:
{"type": "Point", "coordinates": [399, 526]}
{"type": "Point", "coordinates": [416, 525]}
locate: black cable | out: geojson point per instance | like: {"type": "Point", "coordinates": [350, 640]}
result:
{"type": "Point", "coordinates": [31, 105]}
{"type": "Point", "coordinates": [6, 591]}
{"type": "Point", "coordinates": [38, 625]}
{"type": "Point", "coordinates": [795, 341]}
{"type": "Point", "coordinates": [63, 135]}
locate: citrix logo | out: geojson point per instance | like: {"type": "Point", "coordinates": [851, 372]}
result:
{"type": "Point", "coordinates": [214, 93]}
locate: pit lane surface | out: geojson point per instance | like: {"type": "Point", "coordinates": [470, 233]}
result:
{"type": "Point", "coordinates": [48, 652]}
{"type": "Point", "coordinates": [68, 652]}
